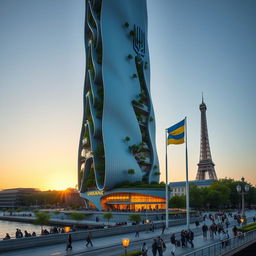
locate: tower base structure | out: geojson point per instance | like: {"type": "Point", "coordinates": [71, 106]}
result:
{"type": "Point", "coordinates": [204, 167]}
{"type": "Point", "coordinates": [126, 199]}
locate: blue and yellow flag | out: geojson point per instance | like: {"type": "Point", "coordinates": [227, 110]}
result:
{"type": "Point", "coordinates": [176, 133]}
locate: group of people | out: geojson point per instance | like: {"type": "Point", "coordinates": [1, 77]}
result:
{"type": "Point", "coordinates": [159, 245]}
{"type": "Point", "coordinates": [20, 234]}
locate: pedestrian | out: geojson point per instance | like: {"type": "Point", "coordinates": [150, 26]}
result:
{"type": "Point", "coordinates": [227, 238]}
{"type": "Point", "coordinates": [7, 237]}
{"type": "Point", "coordinates": [222, 238]}
{"type": "Point", "coordinates": [69, 242]}
{"type": "Point", "coordinates": [211, 230]}
{"type": "Point", "coordinates": [137, 233]}
{"type": "Point", "coordinates": [182, 238]}
{"type": "Point", "coordinates": [227, 223]}
{"type": "Point", "coordinates": [154, 247]}
{"type": "Point", "coordinates": [163, 244]}
{"type": "Point", "coordinates": [89, 239]}
{"type": "Point", "coordinates": [163, 228]}
{"type": "Point", "coordinates": [205, 229]}
{"type": "Point", "coordinates": [144, 249]}
{"type": "Point", "coordinates": [159, 246]}
{"type": "Point", "coordinates": [153, 227]}
{"type": "Point", "coordinates": [235, 231]}
{"type": "Point", "coordinates": [173, 242]}
{"type": "Point", "coordinates": [191, 237]}
{"type": "Point", "coordinates": [186, 238]}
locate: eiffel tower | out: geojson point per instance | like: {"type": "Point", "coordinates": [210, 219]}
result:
{"type": "Point", "coordinates": [205, 163]}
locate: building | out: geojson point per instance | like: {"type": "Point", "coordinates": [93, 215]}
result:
{"type": "Point", "coordinates": [14, 198]}
{"type": "Point", "coordinates": [72, 198]}
{"type": "Point", "coordinates": [117, 142]}
{"type": "Point", "coordinates": [179, 188]}
{"type": "Point", "coordinates": [205, 165]}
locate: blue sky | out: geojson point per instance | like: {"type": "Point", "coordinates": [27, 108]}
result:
{"type": "Point", "coordinates": [195, 46]}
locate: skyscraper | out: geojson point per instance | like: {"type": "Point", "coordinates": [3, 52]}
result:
{"type": "Point", "coordinates": [117, 142]}
{"type": "Point", "coordinates": [205, 164]}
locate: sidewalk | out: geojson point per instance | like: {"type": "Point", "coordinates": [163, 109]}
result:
{"type": "Point", "coordinates": [79, 246]}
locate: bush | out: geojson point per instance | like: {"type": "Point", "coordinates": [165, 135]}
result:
{"type": "Point", "coordinates": [135, 218]}
{"type": "Point", "coordinates": [134, 253]}
{"type": "Point", "coordinates": [248, 227]}
{"type": "Point", "coordinates": [42, 218]}
{"type": "Point", "coordinates": [77, 216]}
{"type": "Point", "coordinates": [108, 216]}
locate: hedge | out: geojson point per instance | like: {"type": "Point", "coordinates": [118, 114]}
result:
{"type": "Point", "coordinates": [134, 253]}
{"type": "Point", "coordinates": [248, 227]}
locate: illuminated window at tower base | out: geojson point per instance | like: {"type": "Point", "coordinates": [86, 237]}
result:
{"type": "Point", "coordinates": [132, 202]}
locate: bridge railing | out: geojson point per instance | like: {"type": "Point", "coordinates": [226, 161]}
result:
{"type": "Point", "coordinates": [226, 245]}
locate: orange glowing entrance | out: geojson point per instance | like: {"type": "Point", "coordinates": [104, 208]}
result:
{"type": "Point", "coordinates": [132, 202]}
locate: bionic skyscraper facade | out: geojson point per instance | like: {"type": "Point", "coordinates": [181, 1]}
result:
{"type": "Point", "coordinates": [117, 142]}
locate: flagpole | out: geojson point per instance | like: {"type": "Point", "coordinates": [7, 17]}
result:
{"type": "Point", "coordinates": [166, 184]}
{"type": "Point", "coordinates": [187, 185]}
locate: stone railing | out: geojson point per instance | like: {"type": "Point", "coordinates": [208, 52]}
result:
{"type": "Point", "coordinates": [29, 242]}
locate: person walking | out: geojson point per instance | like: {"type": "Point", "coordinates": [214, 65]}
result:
{"type": "Point", "coordinates": [182, 238]}
{"type": "Point", "coordinates": [222, 238]}
{"type": "Point", "coordinates": [205, 229]}
{"type": "Point", "coordinates": [191, 237]}
{"type": "Point", "coordinates": [152, 227]}
{"type": "Point", "coordinates": [69, 242]}
{"type": "Point", "coordinates": [137, 233]}
{"type": "Point", "coordinates": [235, 231]}
{"type": "Point", "coordinates": [211, 229]}
{"type": "Point", "coordinates": [89, 239]}
{"type": "Point", "coordinates": [154, 247]}
{"type": "Point", "coordinates": [163, 228]}
{"type": "Point", "coordinates": [173, 242]}
{"type": "Point", "coordinates": [159, 246]}
{"type": "Point", "coordinates": [144, 249]}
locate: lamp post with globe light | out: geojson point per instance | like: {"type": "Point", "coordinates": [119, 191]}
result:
{"type": "Point", "coordinates": [242, 190]}
{"type": "Point", "coordinates": [125, 242]}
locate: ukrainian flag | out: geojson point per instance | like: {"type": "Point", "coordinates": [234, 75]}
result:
{"type": "Point", "coordinates": [176, 133]}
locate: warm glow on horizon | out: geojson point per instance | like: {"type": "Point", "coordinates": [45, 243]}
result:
{"type": "Point", "coordinates": [42, 79]}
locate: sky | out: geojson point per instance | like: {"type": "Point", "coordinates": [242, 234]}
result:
{"type": "Point", "coordinates": [195, 46]}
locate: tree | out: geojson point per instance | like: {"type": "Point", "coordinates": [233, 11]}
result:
{"type": "Point", "coordinates": [108, 216]}
{"type": "Point", "coordinates": [42, 218]}
{"type": "Point", "coordinates": [195, 196]}
{"type": "Point", "coordinates": [135, 218]}
{"type": "Point", "coordinates": [77, 216]}
{"type": "Point", "coordinates": [219, 195]}
{"type": "Point", "coordinates": [178, 202]}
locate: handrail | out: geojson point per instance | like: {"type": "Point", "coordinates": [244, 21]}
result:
{"type": "Point", "coordinates": [225, 246]}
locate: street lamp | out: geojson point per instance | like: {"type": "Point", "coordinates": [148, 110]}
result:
{"type": "Point", "coordinates": [243, 190]}
{"type": "Point", "coordinates": [125, 242]}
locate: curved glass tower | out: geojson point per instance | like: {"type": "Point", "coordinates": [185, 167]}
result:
{"type": "Point", "coordinates": [117, 142]}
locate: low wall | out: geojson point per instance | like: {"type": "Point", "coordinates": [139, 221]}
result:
{"type": "Point", "coordinates": [29, 242]}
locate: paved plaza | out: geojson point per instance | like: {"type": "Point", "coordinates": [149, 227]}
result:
{"type": "Point", "coordinates": [111, 244]}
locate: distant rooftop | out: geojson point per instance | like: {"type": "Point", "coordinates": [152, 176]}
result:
{"type": "Point", "coordinates": [196, 182]}
{"type": "Point", "coordinates": [20, 190]}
